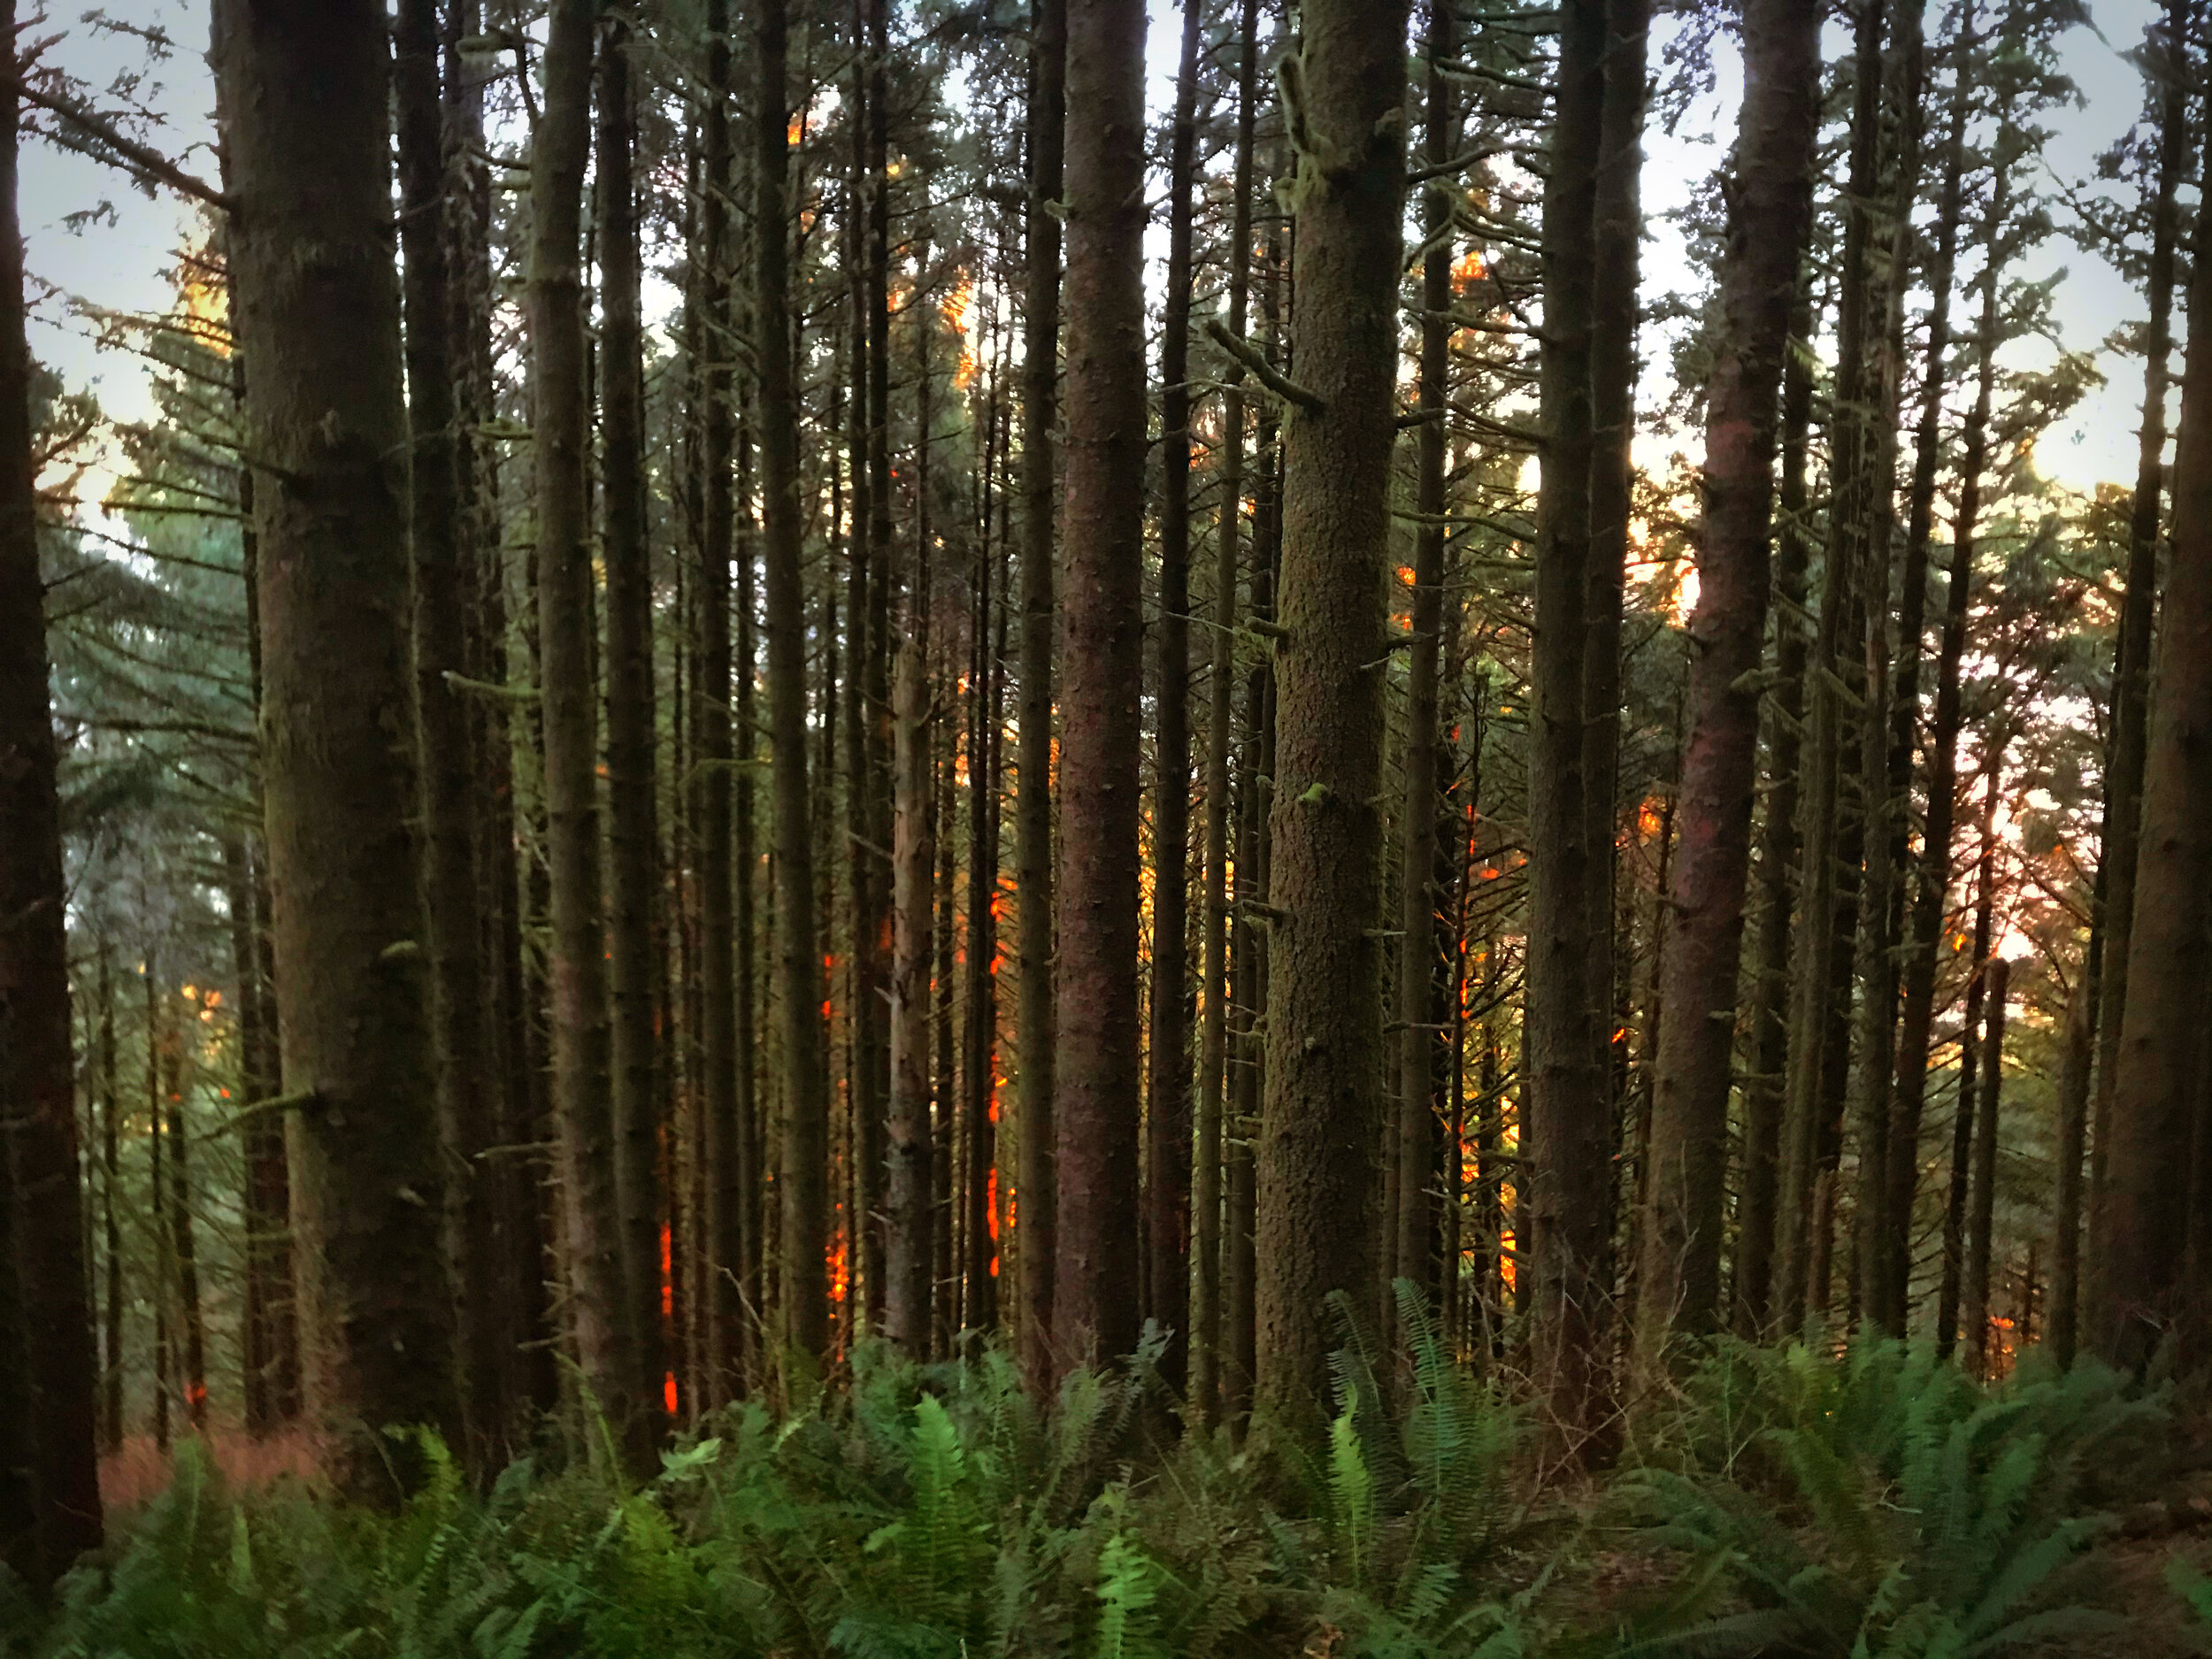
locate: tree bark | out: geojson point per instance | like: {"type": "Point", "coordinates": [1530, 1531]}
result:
{"type": "Point", "coordinates": [1970, 1055]}
{"type": "Point", "coordinates": [444, 753]}
{"type": "Point", "coordinates": [1568, 1136]}
{"type": "Point", "coordinates": [2139, 617]}
{"type": "Point", "coordinates": [1319, 1130]}
{"type": "Point", "coordinates": [1207, 1284]}
{"type": "Point", "coordinates": [1769, 1025]}
{"type": "Point", "coordinates": [728, 1178]}
{"type": "Point", "coordinates": [1679, 1285]}
{"type": "Point", "coordinates": [1930, 894]}
{"type": "Point", "coordinates": [911, 1191]}
{"type": "Point", "coordinates": [604, 1320]}
{"type": "Point", "coordinates": [1801, 1280]}
{"type": "Point", "coordinates": [1883, 1212]}
{"type": "Point", "coordinates": [1168, 1111]}
{"type": "Point", "coordinates": [56, 1386]}
{"type": "Point", "coordinates": [2062, 1327]}
{"type": "Point", "coordinates": [1982, 1199]}
{"type": "Point", "coordinates": [1095, 1314]}
{"type": "Point", "coordinates": [1420, 1042]}
{"type": "Point", "coordinates": [112, 1239]}
{"type": "Point", "coordinates": [632, 830]}
{"type": "Point", "coordinates": [805, 1176]}
{"type": "Point", "coordinates": [980, 1037]}
{"type": "Point", "coordinates": [2139, 1290]}
{"type": "Point", "coordinates": [1036, 1182]}
{"type": "Point", "coordinates": [303, 96]}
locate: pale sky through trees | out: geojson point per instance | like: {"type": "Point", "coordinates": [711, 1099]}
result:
{"type": "Point", "coordinates": [122, 264]}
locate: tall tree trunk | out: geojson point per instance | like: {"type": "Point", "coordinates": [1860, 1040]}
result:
{"type": "Point", "coordinates": [979, 1040]}
{"type": "Point", "coordinates": [1568, 1138]}
{"type": "Point", "coordinates": [1322, 1115]}
{"type": "Point", "coordinates": [1240, 1270]}
{"type": "Point", "coordinates": [1768, 1027]}
{"type": "Point", "coordinates": [805, 1184]}
{"type": "Point", "coordinates": [56, 1384]}
{"type": "Point", "coordinates": [111, 1233]}
{"type": "Point", "coordinates": [183, 1240]}
{"type": "Point", "coordinates": [632, 830]}
{"type": "Point", "coordinates": [303, 109]}
{"type": "Point", "coordinates": [1679, 1285]}
{"type": "Point", "coordinates": [1094, 1312]}
{"type": "Point", "coordinates": [1617, 233]}
{"type": "Point", "coordinates": [1036, 1180]}
{"type": "Point", "coordinates": [2125, 771]}
{"type": "Point", "coordinates": [157, 1204]}
{"type": "Point", "coordinates": [1421, 1036]}
{"type": "Point", "coordinates": [1882, 1251]}
{"type": "Point", "coordinates": [1982, 1201]}
{"type": "Point", "coordinates": [445, 759]}
{"type": "Point", "coordinates": [512, 1301]}
{"type": "Point", "coordinates": [1213, 1044]}
{"type": "Point", "coordinates": [254, 1321]}
{"type": "Point", "coordinates": [2076, 1042]}
{"type": "Point", "coordinates": [1801, 1250]}
{"type": "Point", "coordinates": [1970, 1056]}
{"type": "Point", "coordinates": [1168, 1108]}
{"type": "Point", "coordinates": [728, 1178]}
{"type": "Point", "coordinates": [1916, 1015]}
{"type": "Point", "coordinates": [55, 1387]}
{"type": "Point", "coordinates": [911, 1191]}
{"type": "Point", "coordinates": [604, 1321]}
{"type": "Point", "coordinates": [2139, 1289]}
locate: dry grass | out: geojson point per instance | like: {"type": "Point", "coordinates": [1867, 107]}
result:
{"type": "Point", "coordinates": [138, 1471]}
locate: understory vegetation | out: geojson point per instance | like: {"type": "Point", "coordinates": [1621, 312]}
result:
{"type": "Point", "coordinates": [1865, 1502]}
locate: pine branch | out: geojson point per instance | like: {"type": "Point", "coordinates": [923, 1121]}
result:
{"type": "Point", "coordinates": [138, 157]}
{"type": "Point", "coordinates": [1262, 370]}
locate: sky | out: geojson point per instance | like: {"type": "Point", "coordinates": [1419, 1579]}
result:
{"type": "Point", "coordinates": [118, 261]}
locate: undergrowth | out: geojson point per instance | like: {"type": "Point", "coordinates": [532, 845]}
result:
{"type": "Point", "coordinates": [1867, 1502]}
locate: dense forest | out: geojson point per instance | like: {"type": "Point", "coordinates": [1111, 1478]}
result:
{"type": "Point", "coordinates": [1002, 869]}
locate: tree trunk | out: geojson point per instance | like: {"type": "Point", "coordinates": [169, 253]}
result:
{"type": "Point", "coordinates": [1240, 1269]}
{"type": "Point", "coordinates": [1678, 1286]}
{"type": "Point", "coordinates": [55, 1387]}
{"type": "Point", "coordinates": [1095, 1313]}
{"type": "Point", "coordinates": [632, 830]}
{"type": "Point", "coordinates": [1323, 1110]}
{"type": "Point", "coordinates": [1568, 1136]}
{"type": "Point", "coordinates": [1168, 1110]}
{"type": "Point", "coordinates": [1768, 1027]}
{"type": "Point", "coordinates": [1617, 232]}
{"type": "Point", "coordinates": [1883, 1212]}
{"type": "Point", "coordinates": [1815, 980]}
{"type": "Point", "coordinates": [1982, 1199]}
{"type": "Point", "coordinates": [1916, 1016]}
{"type": "Point", "coordinates": [183, 1238]}
{"type": "Point", "coordinates": [1421, 1037]}
{"type": "Point", "coordinates": [727, 1179]}
{"type": "Point", "coordinates": [2125, 774]}
{"type": "Point", "coordinates": [1213, 1044]}
{"type": "Point", "coordinates": [303, 93]}
{"type": "Point", "coordinates": [1970, 1055]}
{"type": "Point", "coordinates": [2140, 1289]}
{"type": "Point", "coordinates": [911, 1191]}
{"type": "Point", "coordinates": [111, 1236]}
{"type": "Point", "coordinates": [979, 1038]}
{"type": "Point", "coordinates": [444, 756]}
{"type": "Point", "coordinates": [1036, 1182]}
{"type": "Point", "coordinates": [2075, 1045]}
{"type": "Point", "coordinates": [805, 1178]}
{"type": "Point", "coordinates": [603, 1318]}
